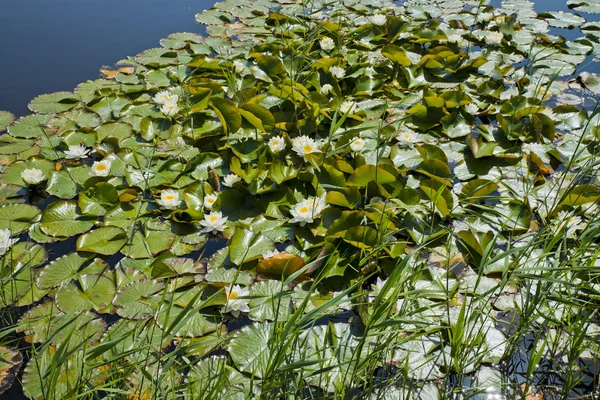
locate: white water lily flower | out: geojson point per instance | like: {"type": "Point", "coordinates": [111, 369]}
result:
{"type": "Point", "coordinates": [337, 72]}
{"type": "Point", "coordinates": [209, 200]}
{"type": "Point", "coordinates": [238, 66]}
{"type": "Point", "coordinates": [316, 204]}
{"type": "Point", "coordinates": [101, 168]}
{"type": "Point", "coordinates": [307, 210]}
{"type": "Point", "coordinates": [164, 97]}
{"type": "Point", "coordinates": [76, 152]}
{"type": "Point", "coordinates": [5, 241]}
{"type": "Point", "coordinates": [494, 38]}
{"type": "Point", "coordinates": [472, 108]}
{"type": "Point", "coordinates": [304, 145]}
{"type": "Point", "coordinates": [234, 304]}
{"type": "Point", "coordinates": [270, 254]}
{"type": "Point", "coordinates": [169, 108]}
{"type": "Point", "coordinates": [347, 106]}
{"type": "Point", "coordinates": [231, 179]}
{"type": "Point", "coordinates": [326, 88]}
{"type": "Point", "coordinates": [568, 223]}
{"type": "Point", "coordinates": [408, 137]}
{"type": "Point", "coordinates": [276, 144]}
{"type": "Point", "coordinates": [302, 213]}
{"type": "Point", "coordinates": [213, 222]}
{"type": "Point", "coordinates": [169, 199]}
{"type": "Point", "coordinates": [357, 144]}
{"type": "Point", "coordinates": [32, 176]}
{"type": "Point", "coordinates": [378, 19]}
{"type": "Point", "coordinates": [327, 44]}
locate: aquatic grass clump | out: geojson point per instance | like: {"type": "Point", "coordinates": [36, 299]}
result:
{"type": "Point", "coordinates": [317, 200]}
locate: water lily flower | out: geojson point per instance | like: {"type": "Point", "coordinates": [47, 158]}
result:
{"type": "Point", "coordinates": [408, 137]}
{"type": "Point", "coordinates": [337, 72]}
{"type": "Point", "coordinates": [327, 44]}
{"type": "Point", "coordinates": [307, 210]}
{"type": "Point", "coordinates": [231, 179]}
{"type": "Point", "coordinates": [347, 106]}
{"type": "Point", "coordinates": [169, 199]}
{"type": "Point", "coordinates": [164, 96]}
{"type": "Point", "coordinates": [304, 145]}
{"type": "Point", "coordinates": [209, 200]}
{"type": "Point", "coordinates": [276, 144]}
{"type": "Point", "coordinates": [378, 19]}
{"type": "Point", "coordinates": [169, 108]}
{"type": "Point", "coordinates": [357, 144]}
{"type": "Point", "coordinates": [76, 152]}
{"type": "Point", "coordinates": [326, 88]}
{"type": "Point", "coordinates": [494, 38]}
{"type": "Point", "coordinates": [238, 66]}
{"type": "Point", "coordinates": [213, 222]}
{"type": "Point", "coordinates": [32, 176]}
{"type": "Point", "coordinates": [472, 108]}
{"type": "Point", "coordinates": [569, 223]}
{"type": "Point", "coordinates": [302, 213]}
{"type": "Point", "coordinates": [270, 254]}
{"type": "Point", "coordinates": [234, 304]}
{"type": "Point", "coordinates": [5, 241]}
{"type": "Point", "coordinates": [101, 168]}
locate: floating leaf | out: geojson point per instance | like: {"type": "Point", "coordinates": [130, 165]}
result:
{"type": "Point", "coordinates": [63, 219]}
{"type": "Point", "coordinates": [86, 292]}
{"type": "Point", "coordinates": [6, 119]}
{"type": "Point", "coordinates": [250, 348]}
{"type": "Point", "coordinates": [151, 238]}
{"type": "Point", "coordinates": [54, 102]}
{"type": "Point", "coordinates": [107, 240]}
{"type": "Point", "coordinates": [246, 245]}
{"type": "Point", "coordinates": [30, 126]}
{"type": "Point", "coordinates": [17, 217]}
{"type": "Point", "coordinates": [138, 300]}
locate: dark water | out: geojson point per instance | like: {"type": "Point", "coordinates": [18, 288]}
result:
{"type": "Point", "coordinates": [53, 45]}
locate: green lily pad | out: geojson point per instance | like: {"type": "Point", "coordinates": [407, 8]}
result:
{"type": "Point", "coordinates": [17, 217]}
{"type": "Point", "coordinates": [86, 292]}
{"type": "Point", "coordinates": [63, 219]}
{"type": "Point", "coordinates": [107, 240]}
{"type": "Point", "coordinates": [54, 102]}
{"type": "Point", "coordinates": [139, 300]}
{"type": "Point", "coordinates": [6, 119]}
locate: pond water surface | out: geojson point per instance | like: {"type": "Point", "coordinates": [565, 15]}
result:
{"type": "Point", "coordinates": [50, 46]}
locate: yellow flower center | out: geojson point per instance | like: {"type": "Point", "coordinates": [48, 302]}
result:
{"type": "Point", "coordinates": [213, 218]}
{"type": "Point", "coordinates": [304, 210]}
{"type": "Point", "coordinates": [210, 201]}
{"type": "Point", "coordinates": [100, 167]}
{"type": "Point", "coordinates": [233, 295]}
{"type": "Point", "coordinates": [308, 148]}
{"type": "Point", "coordinates": [357, 142]}
{"type": "Point", "coordinates": [169, 197]}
